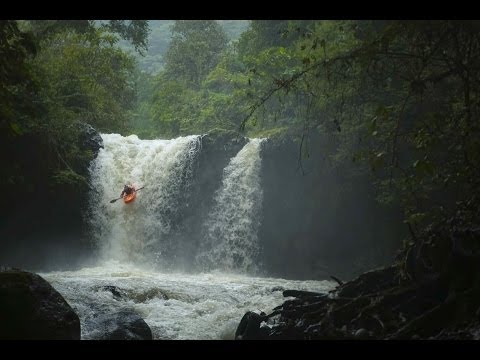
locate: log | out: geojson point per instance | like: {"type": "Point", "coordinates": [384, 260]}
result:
{"type": "Point", "coordinates": [301, 294]}
{"type": "Point", "coordinates": [340, 282]}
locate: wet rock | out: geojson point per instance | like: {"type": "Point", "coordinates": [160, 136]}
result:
{"type": "Point", "coordinates": [123, 325]}
{"type": "Point", "coordinates": [144, 296]}
{"type": "Point", "coordinates": [116, 292]}
{"type": "Point", "coordinates": [361, 334]}
{"type": "Point", "coordinates": [250, 329]}
{"type": "Point", "coordinates": [301, 293]}
{"type": "Point", "coordinates": [31, 309]}
{"type": "Point", "coordinates": [90, 138]}
{"type": "Point", "coordinates": [396, 302]}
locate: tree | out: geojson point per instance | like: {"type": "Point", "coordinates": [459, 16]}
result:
{"type": "Point", "coordinates": [399, 95]}
{"type": "Point", "coordinates": [16, 48]}
{"type": "Point", "coordinates": [17, 89]}
{"type": "Point", "coordinates": [264, 34]}
{"type": "Point", "coordinates": [194, 50]}
{"type": "Point", "coordinates": [86, 79]}
{"type": "Point", "coordinates": [55, 76]}
{"type": "Point", "coordinates": [135, 31]}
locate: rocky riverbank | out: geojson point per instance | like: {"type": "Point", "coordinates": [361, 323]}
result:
{"type": "Point", "coordinates": [431, 292]}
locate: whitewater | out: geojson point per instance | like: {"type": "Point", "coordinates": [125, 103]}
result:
{"type": "Point", "coordinates": [184, 287]}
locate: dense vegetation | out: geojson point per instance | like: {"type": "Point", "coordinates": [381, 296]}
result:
{"type": "Point", "coordinates": [56, 77]}
{"type": "Point", "coordinates": [152, 61]}
{"type": "Point", "coordinates": [393, 103]}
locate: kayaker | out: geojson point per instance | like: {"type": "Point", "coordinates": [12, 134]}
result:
{"type": "Point", "coordinates": [127, 190]}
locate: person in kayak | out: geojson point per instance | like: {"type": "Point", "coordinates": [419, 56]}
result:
{"type": "Point", "coordinates": [127, 190]}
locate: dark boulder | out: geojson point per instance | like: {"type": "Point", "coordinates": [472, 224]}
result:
{"type": "Point", "coordinates": [301, 293]}
{"type": "Point", "coordinates": [250, 329]}
{"type": "Point", "coordinates": [90, 138]}
{"type": "Point", "coordinates": [123, 325]}
{"type": "Point", "coordinates": [31, 309]}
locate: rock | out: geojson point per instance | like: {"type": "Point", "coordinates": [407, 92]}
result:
{"type": "Point", "coordinates": [123, 325]}
{"type": "Point", "coordinates": [370, 281]}
{"type": "Point", "coordinates": [361, 334]}
{"type": "Point", "coordinates": [90, 138]}
{"type": "Point", "coordinates": [146, 295]}
{"type": "Point", "coordinates": [31, 309]}
{"type": "Point", "coordinates": [301, 294]}
{"type": "Point", "coordinates": [249, 327]}
{"type": "Point", "coordinates": [116, 292]}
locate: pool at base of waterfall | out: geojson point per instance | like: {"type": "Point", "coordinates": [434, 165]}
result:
{"type": "Point", "coordinates": [176, 306]}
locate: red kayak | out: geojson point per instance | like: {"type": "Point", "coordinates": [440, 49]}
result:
{"type": "Point", "coordinates": [130, 197]}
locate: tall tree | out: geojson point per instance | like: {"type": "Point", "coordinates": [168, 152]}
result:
{"type": "Point", "coordinates": [134, 31]}
{"type": "Point", "coordinates": [16, 85]}
{"type": "Point", "coordinates": [401, 95]}
{"type": "Point", "coordinates": [194, 51]}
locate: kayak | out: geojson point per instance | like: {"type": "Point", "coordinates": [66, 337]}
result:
{"type": "Point", "coordinates": [130, 197]}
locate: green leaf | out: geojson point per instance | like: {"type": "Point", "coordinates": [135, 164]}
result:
{"type": "Point", "coordinates": [424, 167]}
{"type": "Point", "coordinates": [415, 218]}
{"type": "Point", "coordinates": [16, 128]}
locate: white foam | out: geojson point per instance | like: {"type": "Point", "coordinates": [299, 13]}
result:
{"type": "Point", "coordinates": [164, 167]}
{"type": "Point", "coordinates": [199, 306]}
{"type": "Point", "coordinates": [231, 241]}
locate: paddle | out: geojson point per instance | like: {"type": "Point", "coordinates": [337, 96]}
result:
{"type": "Point", "coordinates": [121, 197]}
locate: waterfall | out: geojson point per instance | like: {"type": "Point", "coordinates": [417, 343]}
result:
{"type": "Point", "coordinates": [152, 229]}
{"type": "Point", "coordinates": [155, 230]}
{"type": "Point", "coordinates": [139, 231]}
{"type": "Point", "coordinates": [230, 232]}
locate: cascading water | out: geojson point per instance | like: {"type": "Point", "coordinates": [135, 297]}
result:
{"type": "Point", "coordinates": [204, 304]}
{"type": "Point", "coordinates": [164, 167]}
{"type": "Point", "coordinates": [230, 232]}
